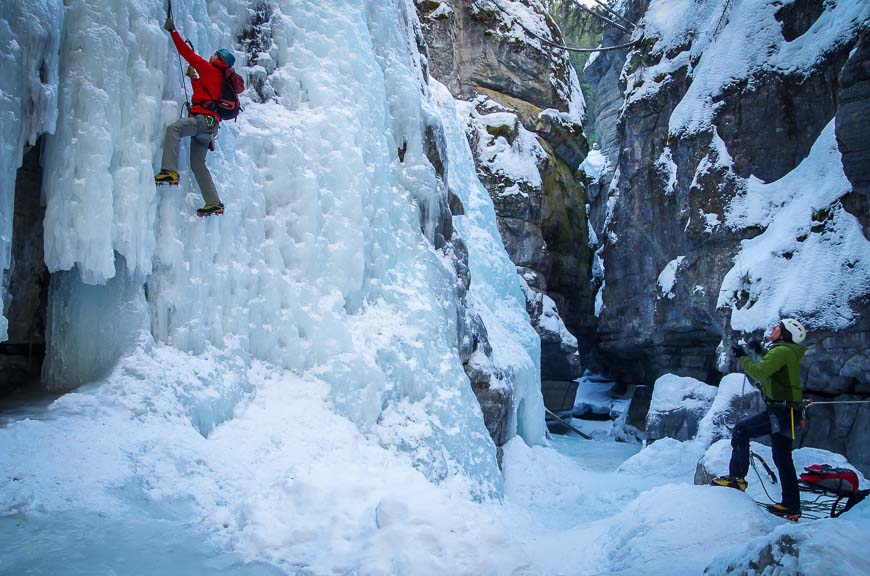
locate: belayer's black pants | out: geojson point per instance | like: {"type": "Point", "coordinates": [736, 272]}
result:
{"type": "Point", "coordinates": [776, 422]}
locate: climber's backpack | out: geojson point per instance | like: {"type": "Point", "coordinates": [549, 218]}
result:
{"type": "Point", "coordinates": [228, 106]}
{"type": "Point", "coordinates": [826, 478]}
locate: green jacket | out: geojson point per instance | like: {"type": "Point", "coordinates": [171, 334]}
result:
{"type": "Point", "coordinates": [778, 371]}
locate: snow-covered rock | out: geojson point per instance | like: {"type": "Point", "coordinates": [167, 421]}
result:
{"type": "Point", "coordinates": [736, 399]}
{"type": "Point", "coordinates": [678, 404]}
{"type": "Point", "coordinates": [714, 462]}
{"type": "Point", "coordinates": [829, 546]}
{"type": "Point", "coordinates": [813, 546]}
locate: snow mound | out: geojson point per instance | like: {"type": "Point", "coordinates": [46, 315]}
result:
{"type": "Point", "coordinates": [678, 404]}
{"type": "Point", "coordinates": [714, 462]}
{"type": "Point", "coordinates": [668, 530]}
{"type": "Point", "coordinates": [268, 483]}
{"type": "Point", "coordinates": [833, 546]}
{"type": "Point", "coordinates": [665, 457]}
{"type": "Point", "coordinates": [735, 398]}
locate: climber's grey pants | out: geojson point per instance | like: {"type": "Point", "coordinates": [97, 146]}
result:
{"type": "Point", "coordinates": [201, 135]}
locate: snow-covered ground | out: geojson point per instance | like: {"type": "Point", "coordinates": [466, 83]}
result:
{"type": "Point", "coordinates": [289, 487]}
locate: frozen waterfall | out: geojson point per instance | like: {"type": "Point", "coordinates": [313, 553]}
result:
{"type": "Point", "coordinates": [319, 291]}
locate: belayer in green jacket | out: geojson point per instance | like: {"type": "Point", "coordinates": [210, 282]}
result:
{"type": "Point", "coordinates": [778, 374]}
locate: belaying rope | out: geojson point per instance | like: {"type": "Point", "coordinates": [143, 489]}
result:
{"type": "Point", "coordinates": [570, 48]}
{"type": "Point", "coordinates": [180, 67]}
{"type": "Point", "coordinates": [754, 455]}
{"type": "Point", "coordinates": [602, 17]}
{"type": "Point", "coordinates": [609, 10]}
{"type": "Point", "coordinates": [812, 402]}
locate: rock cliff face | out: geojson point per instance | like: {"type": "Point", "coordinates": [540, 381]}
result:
{"type": "Point", "coordinates": [583, 30]}
{"type": "Point", "coordinates": [523, 120]}
{"type": "Point", "coordinates": [853, 131]}
{"type": "Point", "coordinates": [725, 207]}
{"type": "Point", "coordinates": [26, 282]}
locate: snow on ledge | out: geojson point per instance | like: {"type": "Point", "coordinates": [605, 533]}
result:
{"type": "Point", "coordinates": [668, 277]}
{"type": "Point", "coordinates": [811, 260]}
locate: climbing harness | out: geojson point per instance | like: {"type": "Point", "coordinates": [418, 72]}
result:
{"type": "Point", "coordinates": [571, 48]}
{"type": "Point", "coordinates": [180, 68]}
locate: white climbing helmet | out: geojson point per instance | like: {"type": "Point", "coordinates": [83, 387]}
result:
{"type": "Point", "coordinates": [795, 328]}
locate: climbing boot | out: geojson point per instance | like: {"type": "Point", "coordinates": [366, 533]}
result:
{"type": "Point", "coordinates": [210, 209]}
{"type": "Point", "coordinates": [166, 177]}
{"type": "Point", "coordinates": [783, 512]}
{"type": "Point", "coordinates": [730, 482]}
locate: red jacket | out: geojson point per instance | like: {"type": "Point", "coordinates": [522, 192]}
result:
{"type": "Point", "coordinates": [209, 85]}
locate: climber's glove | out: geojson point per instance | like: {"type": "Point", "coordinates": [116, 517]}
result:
{"type": "Point", "coordinates": [755, 346]}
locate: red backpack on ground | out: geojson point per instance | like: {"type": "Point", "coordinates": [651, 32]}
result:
{"type": "Point", "coordinates": [840, 481]}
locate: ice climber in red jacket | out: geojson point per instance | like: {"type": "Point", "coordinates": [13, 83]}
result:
{"type": "Point", "coordinates": [207, 78]}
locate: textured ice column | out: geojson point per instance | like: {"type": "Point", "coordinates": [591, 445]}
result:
{"type": "Point", "coordinates": [98, 166]}
{"type": "Point", "coordinates": [120, 85]}
{"type": "Point", "coordinates": [90, 327]}
{"type": "Point", "coordinates": [29, 53]}
{"type": "Point", "coordinates": [319, 263]}
{"type": "Point", "coordinates": [495, 291]}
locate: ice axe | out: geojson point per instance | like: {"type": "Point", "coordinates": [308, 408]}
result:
{"type": "Point", "coordinates": [180, 68]}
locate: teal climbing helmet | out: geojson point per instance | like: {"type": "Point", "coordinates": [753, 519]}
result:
{"type": "Point", "coordinates": [226, 56]}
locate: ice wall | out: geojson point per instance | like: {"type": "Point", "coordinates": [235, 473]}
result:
{"type": "Point", "coordinates": [29, 55]}
{"type": "Point", "coordinates": [324, 262]}
{"type": "Point", "coordinates": [495, 291]}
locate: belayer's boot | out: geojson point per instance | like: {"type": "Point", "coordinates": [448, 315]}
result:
{"type": "Point", "coordinates": [166, 177]}
{"type": "Point", "coordinates": [783, 512]}
{"type": "Point", "coordinates": [730, 482]}
{"type": "Point", "coordinates": [210, 209]}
